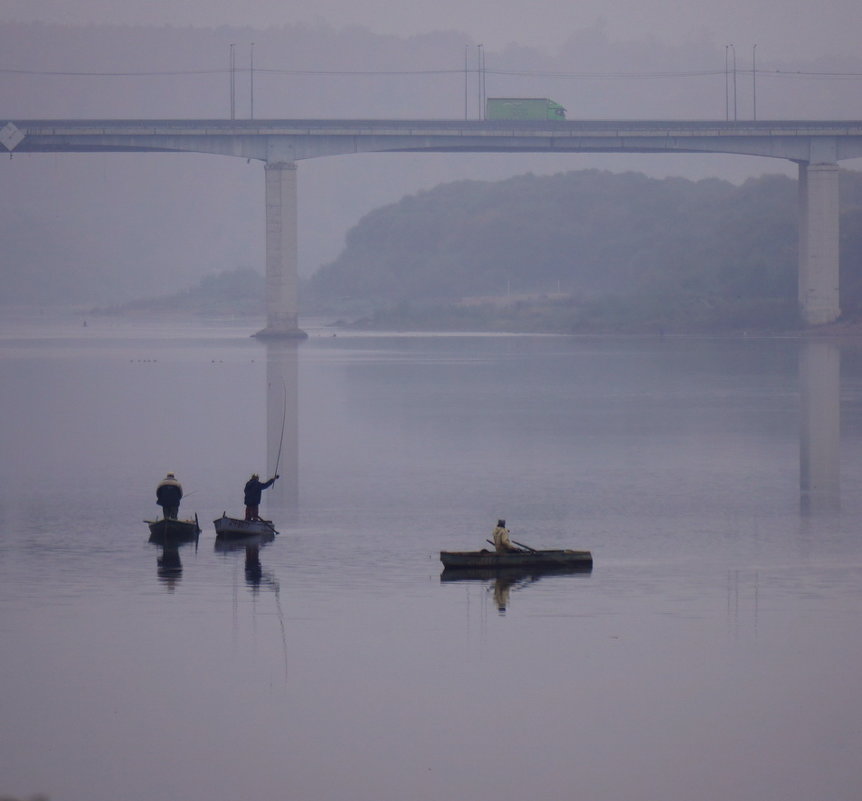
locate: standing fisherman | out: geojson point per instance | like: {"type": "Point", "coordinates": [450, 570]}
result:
{"type": "Point", "coordinates": [168, 496]}
{"type": "Point", "coordinates": [253, 488]}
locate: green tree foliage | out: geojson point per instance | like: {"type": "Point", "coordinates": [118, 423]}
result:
{"type": "Point", "coordinates": [624, 250]}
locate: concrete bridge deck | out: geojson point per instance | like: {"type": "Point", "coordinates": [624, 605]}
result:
{"type": "Point", "coordinates": [268, 140]}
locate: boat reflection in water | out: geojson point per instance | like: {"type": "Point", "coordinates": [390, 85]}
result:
{"type": "Point", "coordinates": [503, 581]}
{"type": "Point", "coordinates": [169, 566]}
{"type": "Point", "coordinates": [255, 576]}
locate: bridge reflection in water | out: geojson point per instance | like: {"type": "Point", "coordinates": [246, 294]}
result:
{"type": "Point", "coordinates": [820, 426]}
{"type": "Point", "coordinates": [282, 425]}
{"type": "Point", "coordinates": [819, 432]}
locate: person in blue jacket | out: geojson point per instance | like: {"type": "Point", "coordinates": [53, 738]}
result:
{"type": "Point", "coordinates": [253, 489]}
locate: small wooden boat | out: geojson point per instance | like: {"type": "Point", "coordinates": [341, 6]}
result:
{"type": "Point", "coordinates": [171, 529]}
{"type": "Point", "coordinates": [235, 527]}
{"type": "Point", "coordinates": [491, 560]}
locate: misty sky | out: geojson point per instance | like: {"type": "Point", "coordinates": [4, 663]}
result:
{"type": "Point", "coordinates": [799, 29]}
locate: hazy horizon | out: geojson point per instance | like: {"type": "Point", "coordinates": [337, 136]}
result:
{"type": "Point", "coordinates": [799, 29]}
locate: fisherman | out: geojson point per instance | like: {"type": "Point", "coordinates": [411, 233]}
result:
{"type": "Point", "coordinates": [168, 495]}
{"type": "Point", "coordinates": [502, 543]}
{"type": "Point", "coordinates": [253, 488]}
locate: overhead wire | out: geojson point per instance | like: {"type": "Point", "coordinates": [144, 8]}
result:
{"type": "Point", "coordinates": [555, 74]}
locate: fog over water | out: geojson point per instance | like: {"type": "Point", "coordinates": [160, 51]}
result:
{"type": "Point", "coordinates": [712, 652]}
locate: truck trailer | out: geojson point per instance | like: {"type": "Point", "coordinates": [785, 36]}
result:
{"type": "Point", "coordinates": [523, 108]}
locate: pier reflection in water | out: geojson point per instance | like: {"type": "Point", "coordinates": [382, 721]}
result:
{"type": "Point", "coordinates": [282, 424]}
{"type": "Point", "coordinates": [819, 375]}
{"type": "Point", "coordinates": [820, 426]}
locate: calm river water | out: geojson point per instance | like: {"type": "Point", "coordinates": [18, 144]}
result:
{"type": "Point", "coordinates": [713, 652]}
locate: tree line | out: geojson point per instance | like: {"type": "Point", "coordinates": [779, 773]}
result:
{"type": "Point", "coordinates": [585, 250]}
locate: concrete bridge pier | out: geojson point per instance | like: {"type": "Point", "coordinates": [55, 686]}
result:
{"type": "Point", "coordinates": [282, 255]}
{"type": "Point", "coordinates": [818, 243]}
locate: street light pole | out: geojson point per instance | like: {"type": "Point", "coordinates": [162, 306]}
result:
{"type": "Point", "coordinates": [251, 79]}
{"type": "Point", "coordinates": [726, 83]}
{"type": "Point", "coordinates": [466, 76]}
{"type": "Point", "coordinates": [754, 79]}
{"type": "Point", "coordinates": [733, 47]}
{"type": "Point", "coordinates": [484, 92]}
{"type": "Point", "coordinates": [232, 82]}
{"type": "Point", "coordinates": [479, 60]}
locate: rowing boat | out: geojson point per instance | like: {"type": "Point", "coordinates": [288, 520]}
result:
{"type": "Point", "coordinates": [172, 529]}
{"type": "Point", "coordinates": [491, 560]}
{"type": "Point", "coordinates": [235, 527]}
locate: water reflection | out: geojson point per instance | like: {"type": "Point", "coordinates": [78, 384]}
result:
{"type": "Point", "coordinates": [256, 578]}
{"type": "Point", "coordinates": [282, 422]}
{"type": "Point", "coordinates": [820, 426]}
{"type": "Point", "coordinates": [169, 566]}
{"type": "Point", "coordinates": [501, 583]}
{"type": "Point", "coordinates": [819, 376]}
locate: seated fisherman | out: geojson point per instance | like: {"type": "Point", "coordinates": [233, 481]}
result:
{"type": "Point", "coordinates": [502, 543]}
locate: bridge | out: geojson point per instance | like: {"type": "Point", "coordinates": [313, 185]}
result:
{"type": "Point", "coordinates": [816, 146]}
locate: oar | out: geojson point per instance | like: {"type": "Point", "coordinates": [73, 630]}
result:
{"type": "Point", "coordinates": [525, 547]}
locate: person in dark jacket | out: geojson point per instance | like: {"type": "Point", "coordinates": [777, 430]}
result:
{"type": "Point", "coordinates": [169, 492]}
{"type": "Point", "coordinates": [253, 488]}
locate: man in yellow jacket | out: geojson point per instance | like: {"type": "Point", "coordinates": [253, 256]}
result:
{"type": "Point", "coordinates": [502, 543]}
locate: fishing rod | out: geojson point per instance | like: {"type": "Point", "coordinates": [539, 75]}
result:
{"type": "Point", "coordinates": [283, 419]}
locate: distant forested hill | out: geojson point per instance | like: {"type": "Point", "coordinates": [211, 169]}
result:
{"type": "Point", "coordinates": [587, 249]}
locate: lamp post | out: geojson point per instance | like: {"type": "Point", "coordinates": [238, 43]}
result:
{"type": "Point", "coordinates": [726, 83]}
{"type": "Point", "coordinates": [754, 79]}
{"type": "Point", "coordinates": [733, 48]}
{"type": "Point", "coordinates": [233, 81]}
{"type": "Point", "coordinates": [466, 76]}
{"type": "Point", "coordinates": [480, 60]}
{"type": "Point", "coordinates": [251, 79]}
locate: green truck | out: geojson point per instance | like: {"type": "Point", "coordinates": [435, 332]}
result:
{"type": "Point", "coordinates": [523, 108]}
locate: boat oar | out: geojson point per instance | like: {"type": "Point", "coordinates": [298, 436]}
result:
{"type": "Point", "coordinates": [525, 547]}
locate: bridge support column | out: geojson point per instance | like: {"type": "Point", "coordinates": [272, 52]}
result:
{"type": "Point", "coordinates": [819, 301]}
{"type": "Point", "coordinates": [282, 259]}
